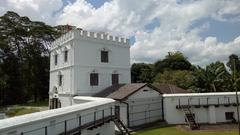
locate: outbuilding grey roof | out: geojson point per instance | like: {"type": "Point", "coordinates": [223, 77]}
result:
{"type": "Point", "coordinates": [170, 89]}
{"type": "Point", "coordinates": [122, 91]}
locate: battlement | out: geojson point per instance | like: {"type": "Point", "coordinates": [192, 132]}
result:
{"type": "Point", "coordinates": [83, 34]}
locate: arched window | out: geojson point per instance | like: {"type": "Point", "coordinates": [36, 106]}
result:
{"type": "Point", "coordinates": [54, 91]}
{"type": "Point", "coordinates": [60, 78]}
{"type": "Point", "coordinates": [54, 102]}
{"type": "Point", "coordinates": [65, 54]}
{"type": "Point", "coordinates": [55, 58]}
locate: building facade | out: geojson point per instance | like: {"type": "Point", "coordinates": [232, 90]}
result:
{"type": "Point", "coordinates": [83, 63]}
{"type": "Point", "coordinates": [210, 108]}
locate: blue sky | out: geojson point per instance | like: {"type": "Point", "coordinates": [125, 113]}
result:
{"type": "Point", "coordinates": [204, 30]}
{"type": "Point", "coordinates": [224, 31]}
{"type": "Point", "coordinates": [95, 3]}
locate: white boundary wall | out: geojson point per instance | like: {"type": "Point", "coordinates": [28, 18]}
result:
{"type": "Point", "coordinates": [213, 107]}
{"type": "Point", "coordinates": [33, 124]}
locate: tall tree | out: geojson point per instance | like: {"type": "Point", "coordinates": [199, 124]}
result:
{"type": "Point", "coordinates": [234, 59]}
{"type": "Point", "coordinates": [180, 78]}
{"type": "Point", "coordinates": [24, 58]}
{"type": "Point", "coordinates": [141, 72]}
{"type": "Point", "coordinates": [173, 61]}
{"type": "Point", "coordinates": [208, 78]}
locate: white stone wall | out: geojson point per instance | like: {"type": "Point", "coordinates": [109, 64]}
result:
{"type": "Point", "coordinates": [84, 57]}
{"type": "Point", "coordinates": [211, 114]}
{"type": "Point", "coordinates": [35, 123]}
{"type": "Point", "coordinates": [145, 106]}
{"type": "Point", "coordinates": [82, 79]}
{"type": "Point", "coordinates": [88, 59]}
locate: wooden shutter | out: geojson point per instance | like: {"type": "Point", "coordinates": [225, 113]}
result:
{"type": "Point", "coordinates": [104, 56]}
{"type": "Point", "coordinates": [115, 79]}
{"type": "Point", "coordinates": [56, 59]}
{"type": "Point", "coordinates": [94, 79]}
{"type": "Point", "coordinates": [65, 56]}
{"type": "Point", "coordinates": [60, 80]}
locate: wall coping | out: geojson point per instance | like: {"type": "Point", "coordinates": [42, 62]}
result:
{"type": "Point", "coordinates": [49, 114]}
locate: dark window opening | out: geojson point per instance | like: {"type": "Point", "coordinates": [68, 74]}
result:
{"type": "Point", "coordinates": [56, 59]}
{"type": "Point", "coordinates": [65, 56]}
{"type": "Point", "coordinates": [54, 103]}
{"type": "Point", "coordinates": [229, 115]}
{"type": "Point", "coordinates": [94, 79]}
{"type": "Point", "coordinates": [145, 90]}
{"type": "Point", "coordinates": [115, 79]}
{"type": "Point", "coordinates": [104, 56]}
{"type": "Point", "coordinates": [60, 80]}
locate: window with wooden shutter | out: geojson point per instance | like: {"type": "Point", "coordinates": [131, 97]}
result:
{"type": "Point", "coordinates": [56, 59]}
{"type": "Point", "coordinates": [104, 56]}
{"type": "Point", "coordinates": [115, 79]}
{"type": "Point", "coordinates": [65, 56]}
{"type": "Point", "coordinates": [94, 79]}
{"type": "Point", "coordinates": [60, 78]}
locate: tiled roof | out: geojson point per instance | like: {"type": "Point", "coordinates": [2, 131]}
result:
{"type": "Point", "coordinates": [121, 91]}
{"type": "Point", "coordinates": [169, 89]}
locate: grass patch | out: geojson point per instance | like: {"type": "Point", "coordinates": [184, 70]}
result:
{"type": "Point", "coordinates": [20, 111]}
{"type": "Point", "coordinates": [173, 130]}
{"type": "Point", "coordinates": [37, 104]}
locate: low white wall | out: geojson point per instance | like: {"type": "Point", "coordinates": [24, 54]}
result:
{"type": "Point", "coordinates": [211, 114]}
{"type": "Point", "coordinates": [123, 113]}
{"type": "Point", "coordinates": [145, 106]}
{"type": "Point", "coordinates": [35, 123]}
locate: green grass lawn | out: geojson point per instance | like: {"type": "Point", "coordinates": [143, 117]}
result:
{"type": "Point", "coordinates": [37, 104]}
{"type": "Point", "coordinates": [20, 111]}
{"type": "Point", "coordinates": [172, 130]}
{"type": "Point", "coordinates": [26, 108]}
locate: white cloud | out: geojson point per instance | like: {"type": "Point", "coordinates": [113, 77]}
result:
{"type": "Point", "coordinates": [37, 10]}
{"type": "Point", "coordinates": [117, 16]}
{"type": "Point", "coordinates": [124, 17]}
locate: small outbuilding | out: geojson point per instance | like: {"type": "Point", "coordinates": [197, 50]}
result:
{"type": "Point", "coordinates": [139, 103]}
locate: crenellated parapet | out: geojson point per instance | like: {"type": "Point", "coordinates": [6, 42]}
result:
{"type": "Point", "coordinates": [91, 36]}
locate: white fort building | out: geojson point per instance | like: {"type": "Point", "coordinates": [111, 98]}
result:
{"type": "Point", "coordinates": [90, 93]}
{"type": "Point", "coordinates": [83, 63]}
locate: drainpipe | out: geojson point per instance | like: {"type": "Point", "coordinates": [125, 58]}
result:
{"type": "Point", "coordinates": [127, 112]}
{"type": "Point", "coordinates": [163, 108]}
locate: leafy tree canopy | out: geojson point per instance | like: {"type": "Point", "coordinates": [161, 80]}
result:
{"type": "Point", "coordinates": [173, 61]}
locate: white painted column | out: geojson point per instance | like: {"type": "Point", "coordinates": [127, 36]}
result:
{"type": "Point", "coordinates": [212, 114]}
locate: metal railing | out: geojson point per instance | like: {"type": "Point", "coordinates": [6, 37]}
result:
{"type": "Point", "coordinates": [62, 127]}
{"type": "Point", "coordinates": [226, 101]}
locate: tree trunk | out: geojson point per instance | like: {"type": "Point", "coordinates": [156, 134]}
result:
{"type": "Point", "coordinates": [213, 87]}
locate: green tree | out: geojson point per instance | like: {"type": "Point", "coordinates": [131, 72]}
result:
{"type": "Point", "coordinates": [173, 61]}
{"type": "Point", "coordinates": [24, 58]}
{"type": "Point", "coordinates": [234, 66]}
{"type": "Point", "coordinates": [214, 75]}
{"type": "Point", "coordinates": [180, 78]}
{"type": "Point", "coordinates": [141, 73]}
{"type": "Point", "coordinates": [233, 59]}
